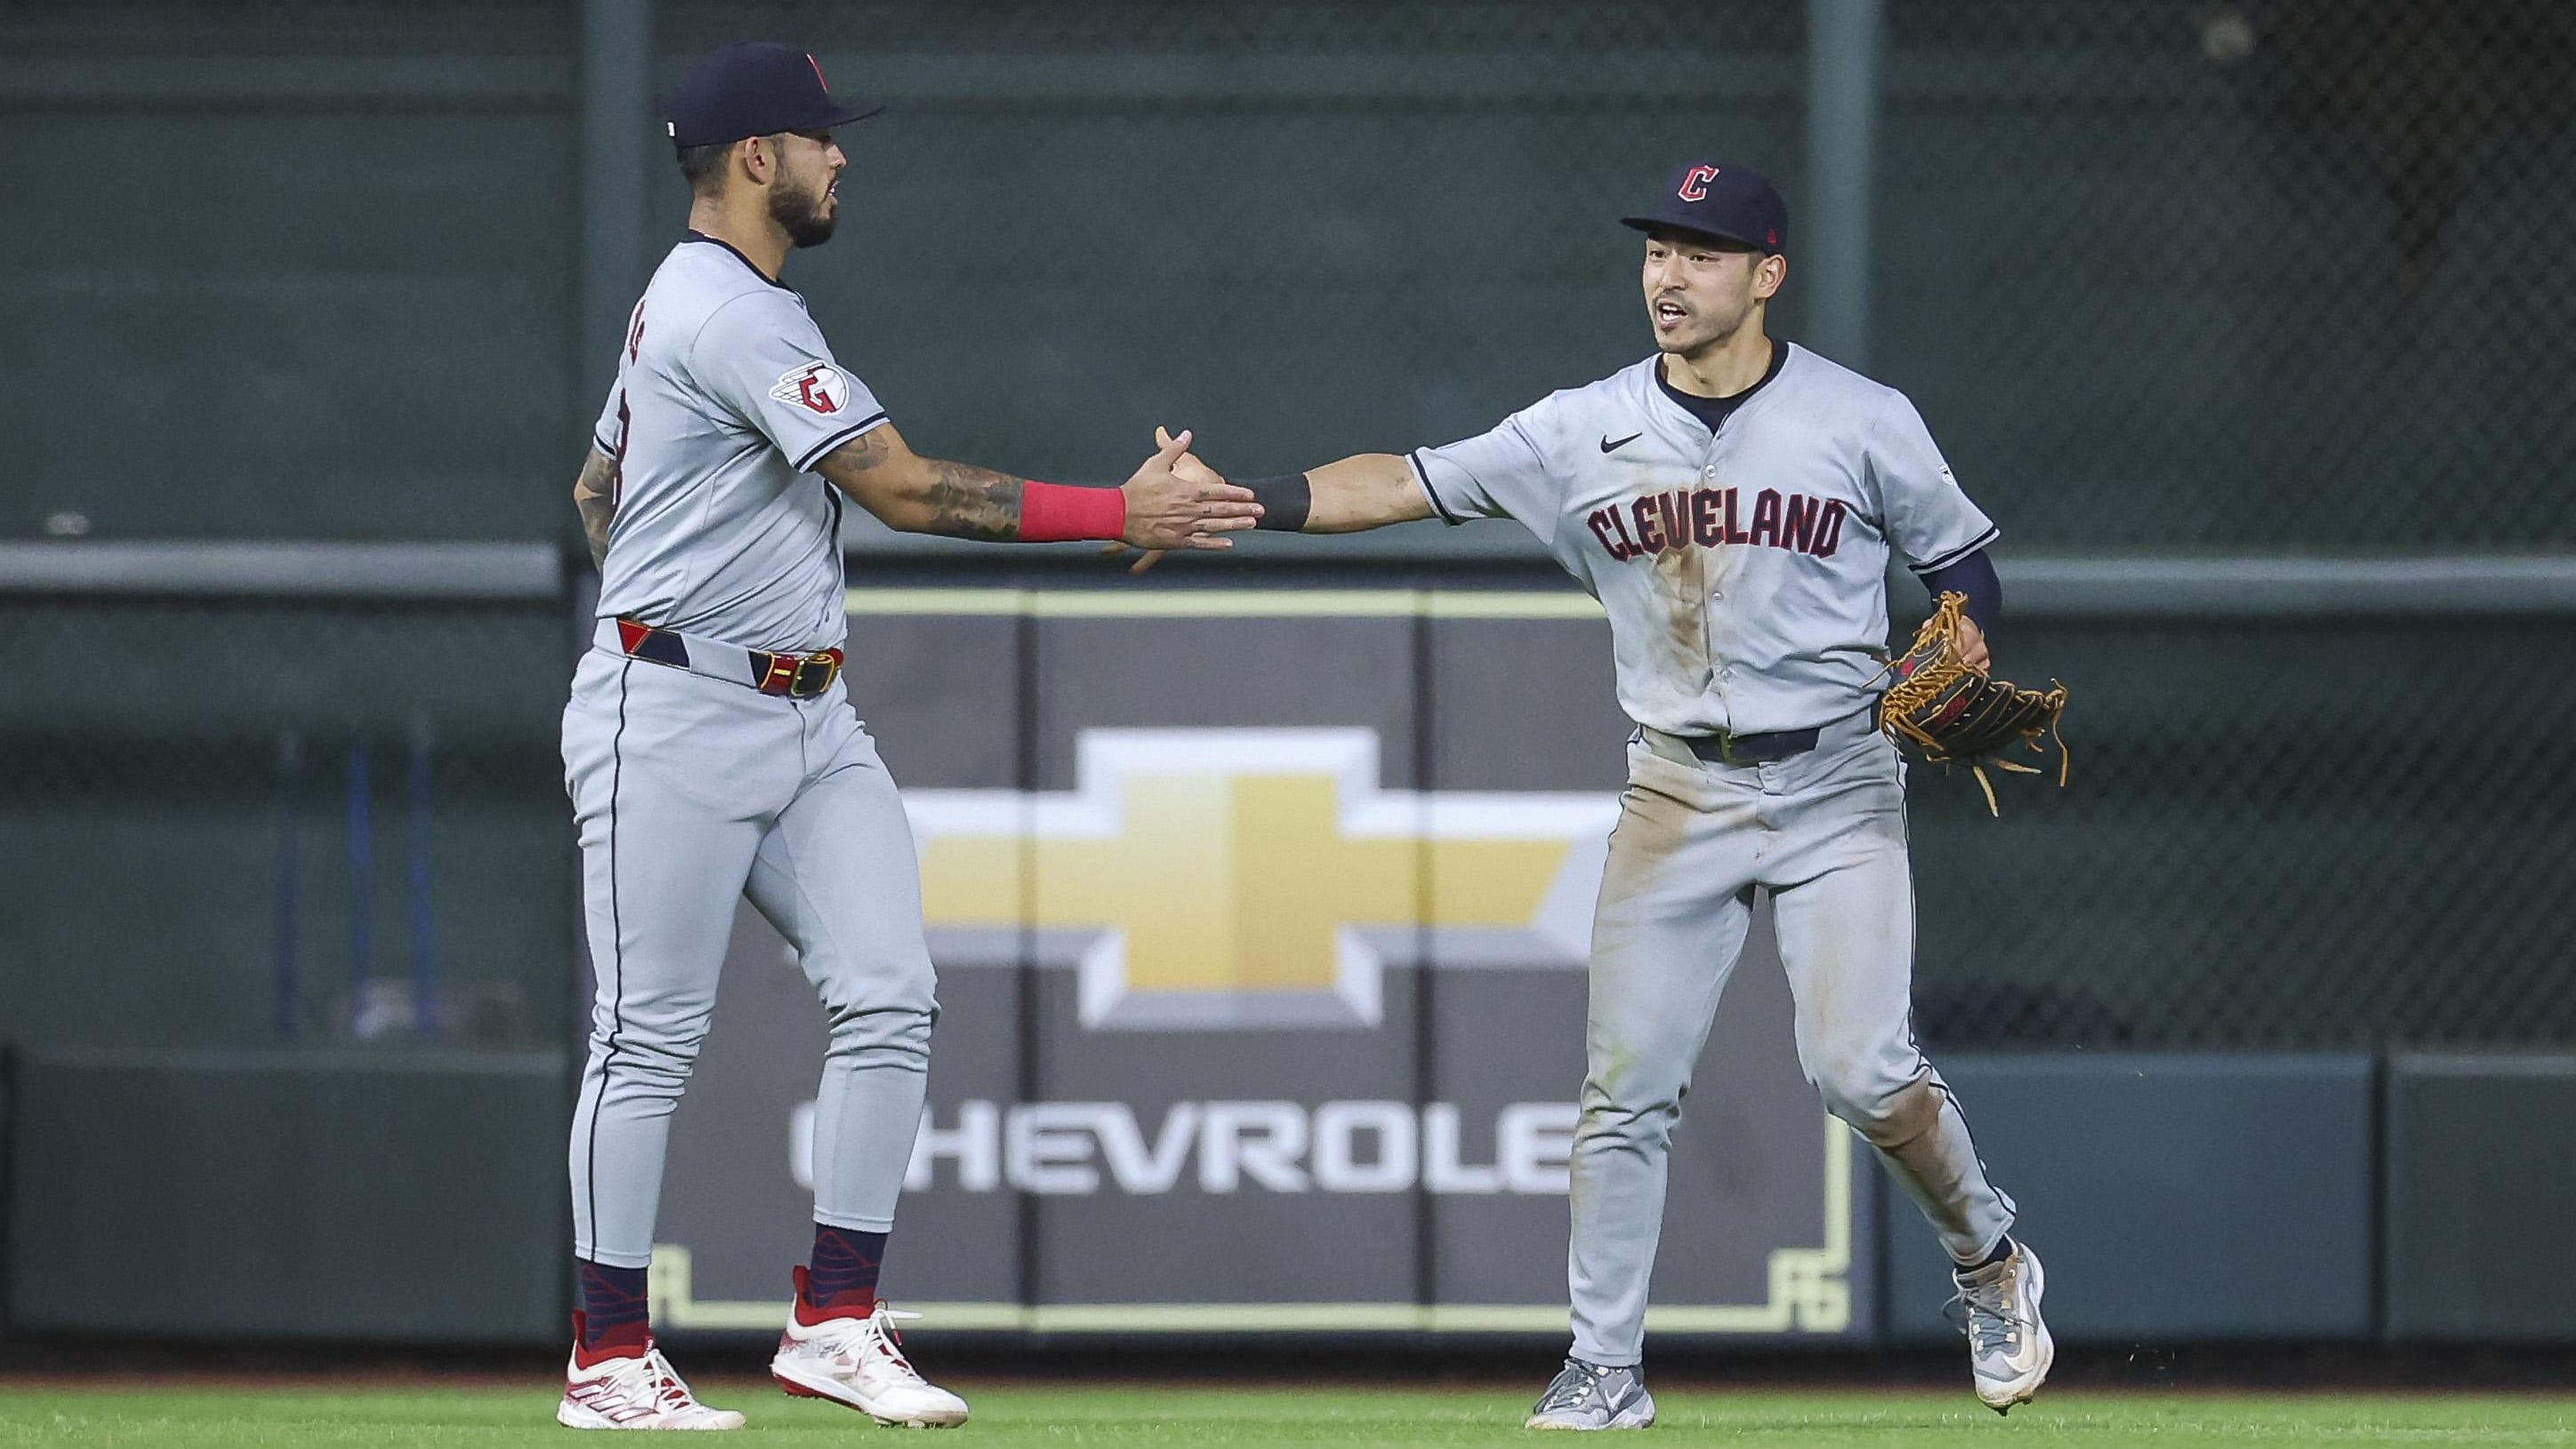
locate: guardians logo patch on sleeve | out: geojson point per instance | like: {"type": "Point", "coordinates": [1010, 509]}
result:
{"type": "Point", "coordinates": [816, 385]}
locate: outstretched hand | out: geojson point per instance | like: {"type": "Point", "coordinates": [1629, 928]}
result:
{"type": "Point", "coordinates": [1186, 473]}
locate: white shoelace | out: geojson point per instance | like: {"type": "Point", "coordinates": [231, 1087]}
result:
{"type": "Point", "coordinates": [651, 1378]}
{"type": "Point", "coordinates": [848, 1345]}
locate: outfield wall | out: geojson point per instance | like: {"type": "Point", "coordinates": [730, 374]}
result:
{"type": "Point", "coordinates": [2177, 1198]}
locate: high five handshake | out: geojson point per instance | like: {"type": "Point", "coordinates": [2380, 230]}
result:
{"type": "Point", "coordinates": [1364, 491]}
{"type": "Point", "coordinates": [1157, 508]}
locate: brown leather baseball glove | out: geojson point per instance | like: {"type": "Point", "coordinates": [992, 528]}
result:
{"type": "Point", "coordinates": [1956, 714]}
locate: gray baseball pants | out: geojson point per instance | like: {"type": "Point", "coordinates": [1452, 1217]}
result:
{"type": "Point", "coordinates": [1824, 833]}
{"type": "Point", "coordinates": [693, 793]}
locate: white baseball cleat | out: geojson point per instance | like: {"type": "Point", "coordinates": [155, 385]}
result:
{"type": "Point", "coordinates": [1590, 1396]}
{"type": "Point", "coordinates": [860, 1362]}
{"type": "Point", "coordinates": [634, 1391]}
{"type": "Point", "coordinates": [2008, 1344]}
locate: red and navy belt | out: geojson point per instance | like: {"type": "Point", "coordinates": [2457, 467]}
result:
{"type": "Point", "coordinates": [794, 676]}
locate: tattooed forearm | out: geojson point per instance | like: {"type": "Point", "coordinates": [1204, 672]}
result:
{"type": "Point", "coordinates": [924, 495]}
{"type": "Point", "coordinates": [594, 495]}
{"type": "Point", "coordinates": [970, 502]}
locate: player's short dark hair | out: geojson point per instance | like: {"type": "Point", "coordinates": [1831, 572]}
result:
{"type": "Point", "coordinates": [705, 165]}
{"type": "Point", "coordinates": [1687, 237]}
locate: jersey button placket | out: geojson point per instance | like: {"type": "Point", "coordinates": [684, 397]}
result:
{"type": "Point", "coordinates": [1766, 816]}
{"type": "Point", "coordinates": [1707, 631]}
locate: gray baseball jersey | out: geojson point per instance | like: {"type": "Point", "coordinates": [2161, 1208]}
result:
{"type": "Point", "coordinates": [726, 396]}
{"type": "Point", "coordinates": [1744, 572]}
{"type": "Point", "coordinates": [695, 792]}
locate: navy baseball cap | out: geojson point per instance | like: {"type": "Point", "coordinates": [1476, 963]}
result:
{"type": "Point", "coordinates": [754, 88]}
{"type": "Point", "coordinates": [1733, 203]}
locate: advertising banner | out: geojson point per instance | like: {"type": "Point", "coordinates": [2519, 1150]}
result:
{"type": "Point", "coordinates": [1261, 922]}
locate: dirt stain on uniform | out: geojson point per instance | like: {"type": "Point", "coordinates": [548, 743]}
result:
{"type": "Point", "coordinates": [1653, 826]}
{"type": "Point", "coordinates": [1910, 1133]}
{"type": "Point", "coordinates": [1681, 581]}
{"type": "Point", "coordinates": [1911, 1116]}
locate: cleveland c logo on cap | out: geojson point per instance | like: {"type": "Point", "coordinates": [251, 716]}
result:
{"type": "Point", "coordinates": [1695, 183]}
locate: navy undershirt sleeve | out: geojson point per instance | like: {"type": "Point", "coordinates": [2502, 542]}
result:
{"type": "Point", "coordinates": [1975, 577]}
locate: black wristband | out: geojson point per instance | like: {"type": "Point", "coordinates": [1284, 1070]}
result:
{"type": "Point", "coordinates": [1285, 501]}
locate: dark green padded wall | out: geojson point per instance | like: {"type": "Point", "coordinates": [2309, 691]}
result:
{"type": "Point", "coordinates": [2479, 1185]}
{"type": "Point", "coordinates": [290, 1195]}
{"type": "Point", "coordinates": [2170, 1197]}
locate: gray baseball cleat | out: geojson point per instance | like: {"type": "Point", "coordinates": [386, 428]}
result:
{"type": "Point", "coordinates": [1594, 1396]}
{"type": "Point", "coordinates": [2008, 1343]}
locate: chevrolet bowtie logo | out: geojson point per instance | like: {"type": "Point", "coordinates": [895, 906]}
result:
{"type": "Point", "coordinates": [1259, 877]}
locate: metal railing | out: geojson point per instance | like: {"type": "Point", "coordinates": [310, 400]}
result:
{"type": "Point", "coordinates": [2051, 587]}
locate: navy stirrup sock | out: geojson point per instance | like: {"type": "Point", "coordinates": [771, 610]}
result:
{"type": "Point", "coordinates": [613, 1305]}
{"type": "Point", "coordinates": [843, 1274]}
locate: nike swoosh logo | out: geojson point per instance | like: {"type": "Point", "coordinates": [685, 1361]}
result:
{"type": "Point", "coordinates": [1608, 446]}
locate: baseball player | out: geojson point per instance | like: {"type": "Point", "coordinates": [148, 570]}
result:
{"type": "Point", "coordinates": [1732, 502]}
{"type": "Point", "coordinates": [712, 752]}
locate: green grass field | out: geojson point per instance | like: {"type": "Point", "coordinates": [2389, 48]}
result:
{"type": "Point", "coordinates": [1018, 1414]}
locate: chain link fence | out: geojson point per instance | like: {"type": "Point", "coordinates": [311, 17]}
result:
{"type": "Point", "coordinates": [2276, 835]}
{"type": "Point", "coordinates": [2238, 276]}
{"type": "Point", "coordinates": [1302, 229]}
{"type": "Point", "coordinates": [251, 820]}
{"type": "Point", "coordinates": [2162, 273]}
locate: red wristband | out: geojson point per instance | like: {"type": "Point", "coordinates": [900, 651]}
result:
{"type": "Point", "coordinates": [1056, 513]}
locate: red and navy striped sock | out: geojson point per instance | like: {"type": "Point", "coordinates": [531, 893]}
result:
{"type": "Point", "coordinates": [613, 1306]}
{"type": "Point", "coordinates": [842, 1279]}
